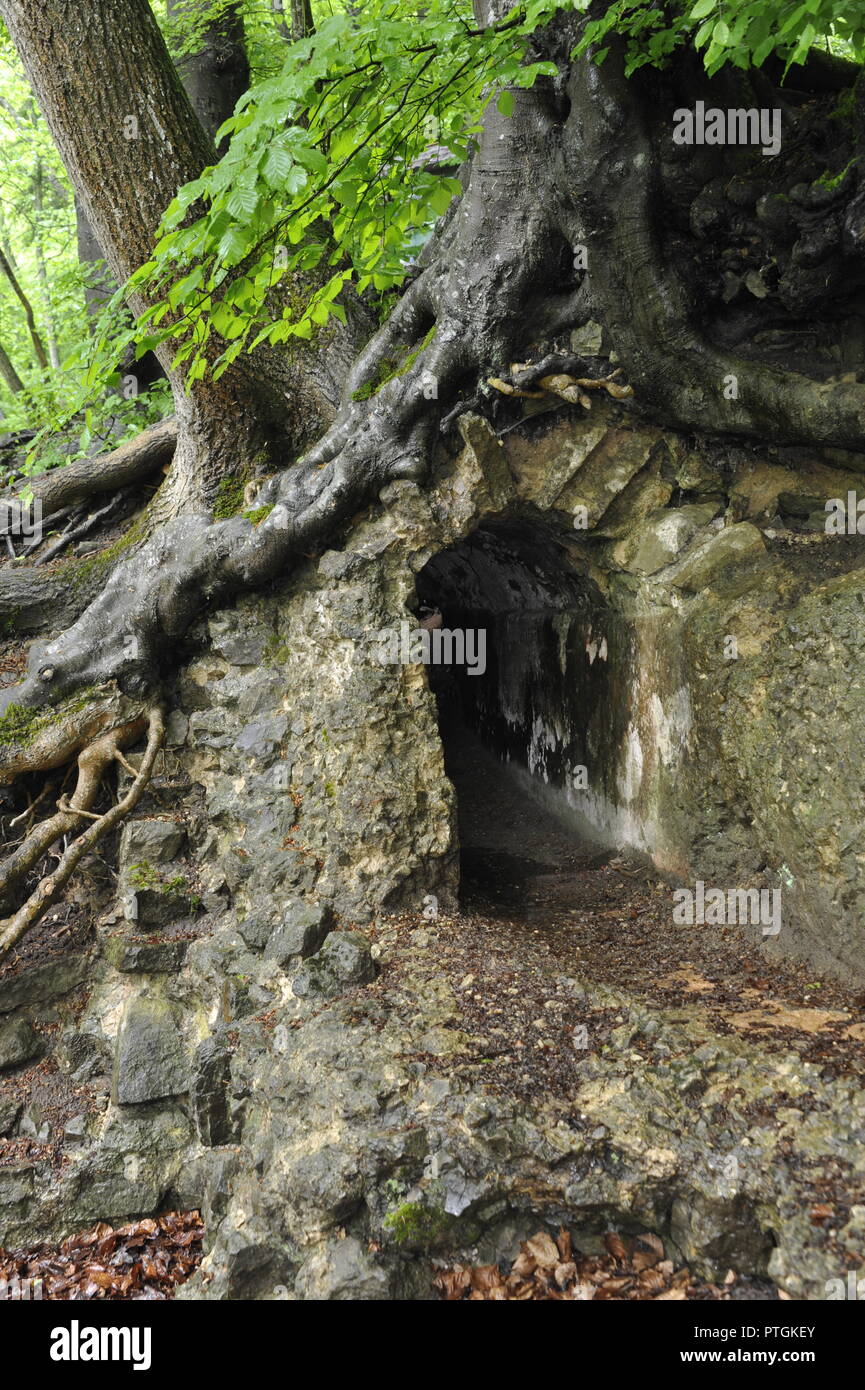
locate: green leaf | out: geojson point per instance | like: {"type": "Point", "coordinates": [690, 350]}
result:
{"type": "Point", "coordinates": [276, 166]}
{"type": "Point", "coordinates": [243, 203]}
{"type": "Point", "coordinates": [233, 245]}
{"type": "Point", "coordinates": [296, 180]}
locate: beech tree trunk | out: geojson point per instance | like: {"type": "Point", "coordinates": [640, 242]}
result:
{"type": "Point", "coordinates": [129, 138]}
{"type": "Point", "coordinates": [214, 78]}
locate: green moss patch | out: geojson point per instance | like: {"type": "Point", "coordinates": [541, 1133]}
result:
{"type": "Point", "coordinates": [80, 571]}
{"type": "Point", "coordinates": [417, 1226]}
{"type": "Point", "coordinates": [391, 367]}
{"type": "Point", "coordinates": [20, 725]}
{"type": "Point", "coordinates": [257, 515]}
{"type": "Point", "coordinates": [229, 497]}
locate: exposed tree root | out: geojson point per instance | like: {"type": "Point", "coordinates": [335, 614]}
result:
{"type": "Point", "coordinates": [498, 283]}
{"type": "Point", "coordinates": [645, 305]}
{"type": "Point", "coordinates": [38, 742]}
{"type": "Point", "coordinates": [553, 376]}
{"type": "Point", "coordinates": [130, 463]}
{"type": "Point", "coordinates": [76, 530]}
{"type": "Point", "coordinates": [92, 763]}
{"type": "Point", "coordinates": [35, 601]}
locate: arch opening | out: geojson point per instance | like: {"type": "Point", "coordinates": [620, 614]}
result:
{"type": "Point", "coordinates": [534, 719]}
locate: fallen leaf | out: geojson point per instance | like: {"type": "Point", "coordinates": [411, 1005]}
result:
{"type": "Point", "coordinates": [544, 1249]}
{"type": "Point", "coordinates": [615, 1245]}
{"type": "Point", "coordinates": [486, 1277]}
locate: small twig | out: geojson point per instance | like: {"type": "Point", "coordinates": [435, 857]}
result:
{"type": "Point", "coordinates": [49, 787]}
{"type": "Point", "coordinates": [63, 805]}
{"type": "Point", "coordinates": [37, 540]}
{"type": "Point", "coordinates": [124, 763]}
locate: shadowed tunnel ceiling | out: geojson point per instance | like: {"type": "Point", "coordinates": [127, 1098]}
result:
{"type": "Point", "coordinates": [548, 702]}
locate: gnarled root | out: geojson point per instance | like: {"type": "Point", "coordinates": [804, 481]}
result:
{"type": "Point", "coordinates": [124, 466]}
{"type": "Point", "coordinates": [92, 763]}
{"type": "Point", "coordinates": [616, 211]}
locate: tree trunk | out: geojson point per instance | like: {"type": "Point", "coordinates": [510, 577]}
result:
{"type": "Point", "coordinates": [302, 23]}
{"type": "Point", "coordinates": [214, 79]}
{"type": "Point", "coordinates": [129, 138]}
{"type": "Point", "coordinates": [282, 24]}
{"type": "Point", "coordinates": [99, 286]}
{"type": "Point", "coordinates": [217, 74]}
{"type": "Point", "coordinates": [8, 372]}
{"type": "Point", "coordinates": [42, 271]}
{"type": "Point", "coordinates": [38, 347]}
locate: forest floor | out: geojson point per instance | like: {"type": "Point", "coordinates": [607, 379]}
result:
{"type": "Point", "coordinates": [609, 918]}
{"type": "Point", "coordinates": [536, 903]}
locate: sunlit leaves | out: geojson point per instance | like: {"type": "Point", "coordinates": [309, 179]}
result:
{"type": "Point", "coordinates": [327, 177]}
{"type": "Point", "coordinates": [326, 167]}
{"type": "Point", "coordinates": [741, 33]}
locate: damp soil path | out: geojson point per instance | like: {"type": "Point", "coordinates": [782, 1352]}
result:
{"type": "Point", "coordinates": [607, 917]}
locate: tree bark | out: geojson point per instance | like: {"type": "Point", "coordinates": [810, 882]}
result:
{"type": "Point", "coordinates": [217, 74]}
{"type": "Point", "coordinates": [42, 270]}
{"type": "Point", "coordinates": [99, 287]}
{"type": "Point", "coordinates": [8, 372]}
{"type": "Point", "coordinates": [302, 23]}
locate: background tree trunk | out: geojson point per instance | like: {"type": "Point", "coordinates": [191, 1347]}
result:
{"type": "Point", "coordinates": [302, 23]}
{"type": "Point", "coordinates": [99, 286]}
{"type": "Point", "coordinates": [42, 269]}
{"type": "Point", "coordinates": [9, 271]}
{"type": "Point", "coordinates": [8, 372]}
{"type": "Point", "coordinates": [217, 74]}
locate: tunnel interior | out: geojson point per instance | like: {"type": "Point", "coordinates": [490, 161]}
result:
{"type": "Point", "coordinates": [534, 717]}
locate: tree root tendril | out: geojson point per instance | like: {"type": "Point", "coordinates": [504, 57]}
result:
{"type": "Point", "coordinates": [92, 763]}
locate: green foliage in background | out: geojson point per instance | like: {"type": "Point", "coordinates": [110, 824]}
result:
{"type": "Point", "coordinates": [742, 33]}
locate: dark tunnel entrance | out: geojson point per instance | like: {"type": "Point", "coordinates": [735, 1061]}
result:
{"type": "Point", "coordinates": [529, 710]}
